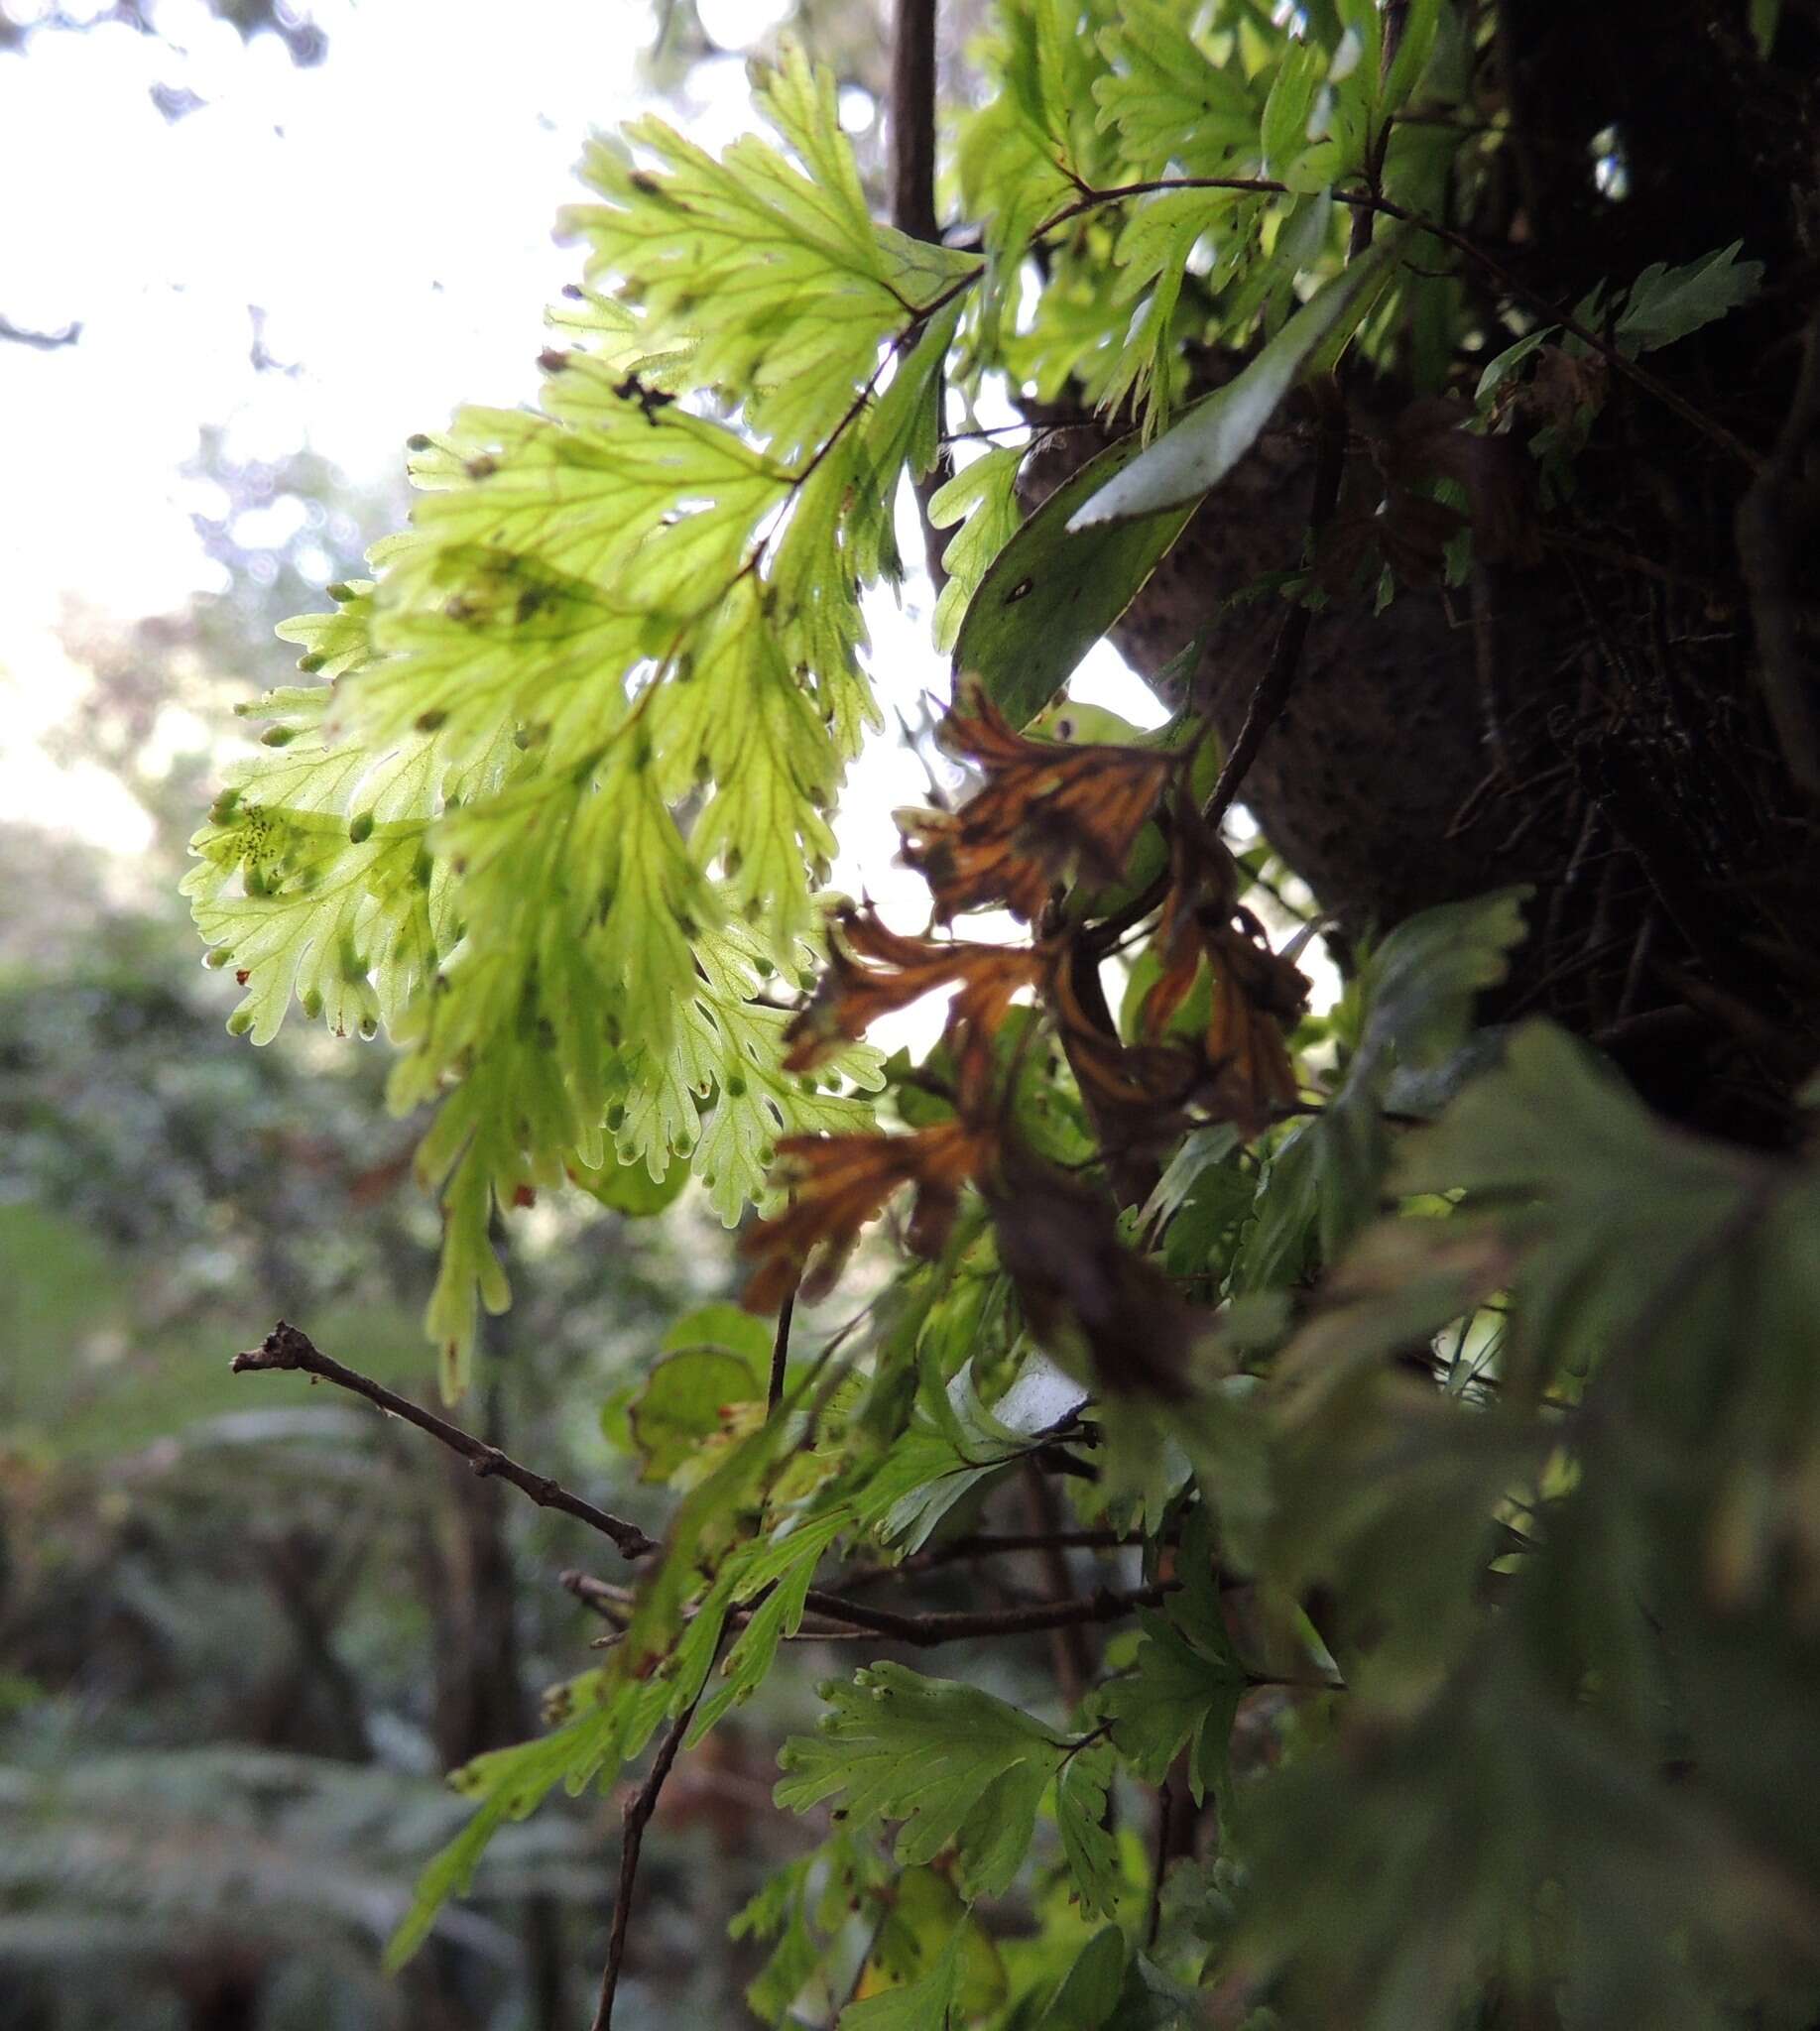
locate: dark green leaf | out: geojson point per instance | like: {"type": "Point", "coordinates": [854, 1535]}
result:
{"type": "Point", "coordinates": [1089, 1992]}
{"type": "Point", "coordinates": [1051, 593]}
{"type": "Point", "coordinates": [1080, 1813]}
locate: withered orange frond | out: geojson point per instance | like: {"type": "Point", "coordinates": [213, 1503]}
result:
{"type": "Point", "coordinates": [1138, 1089]}
{"type": "Point", "coordinates": [852, 995]}
{"type": "Point", "coordinates": [1087, 1298]}
{"type": "Point", "coordinates": [1044, 811]}
{"type": "Point", "coordinates": [1256, 995]}
{"type": "Point", "coordinates": [1247, 1062]}
{"type": "Point", "coordinates": [1244, 1073]}
{"type": "Point", "coordinates": [839, 1183]}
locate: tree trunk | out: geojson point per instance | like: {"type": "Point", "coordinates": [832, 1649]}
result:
{"type": "Point", "coordinates": [1601, 723]}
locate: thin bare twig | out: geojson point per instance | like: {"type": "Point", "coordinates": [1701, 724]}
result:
{"type": "Point", "coordinates": [987, 1545]}
{"type": "Point", "coordinates": [926, 1631]}
{"type": "Point", "coordinates": [286, 1347]}
{"type": "Point", "coordinates": [639, 1809]}
{"type": "Point", "coordinates": [779, 1353]}
{"type": "Point", "coordinates": [837, 1619]}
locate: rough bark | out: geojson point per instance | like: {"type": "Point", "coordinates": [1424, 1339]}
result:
{"type": "Point", "coordinates": [1596, 723]}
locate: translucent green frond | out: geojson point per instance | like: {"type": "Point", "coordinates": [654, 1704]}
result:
{"type": "Point", "coordinates": [983, 499]}
{"type": "Point", "coordinates": [723, 257]}
{"type": "Point", "coordinates": [562, 813]}
{"type": "Point", "coordinates": [314, 879]}
{"type": "Point", "coordinates": [1174, 108]}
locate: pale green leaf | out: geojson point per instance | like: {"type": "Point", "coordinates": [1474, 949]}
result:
{"type": "Point", "coordinates": [983, 499]}
{"type": "Point", "coordinates": [1210, 439]}
{"type": "Point", "coordinates": [954, 1763]}
{"type": "Point", "coordinates": [1169, 103]}
{"type": "Point", "coordinates": [1089, 1992]}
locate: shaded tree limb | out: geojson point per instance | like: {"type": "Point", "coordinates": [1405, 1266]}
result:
{"type": "Point", "coordinates": [911, 128]}
{"type": "Point", "coordinates": [835, 1618]}
{"type": "Point", "coordinates": [987, 1545]}
{"type": "Point", "coordinates": [287, 1347]}
{"type": "Point", "coordinates": [911, 117]}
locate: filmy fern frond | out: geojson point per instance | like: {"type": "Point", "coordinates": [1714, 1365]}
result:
{"type": "Point", "coordinates": [564, 802]}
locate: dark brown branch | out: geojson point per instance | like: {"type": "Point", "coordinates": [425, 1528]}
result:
{"type": "Point", "coordinates": [1070, 1651]}
{"type": "Point", "coordinates": [910, 130]}
{"type": "Point", "coordinates": [912, 119]}
{"type": "Point", "coordinates": [989, 1545]}
{"type": "Point", "coordinates": [779, 1353]}
{"type": "Point", "coordinates": [639, 1809]}
{"type": "Point", "coordinates": [839, 1619]}
{"type": "Point", "coordinates": [928, 1630]}
{"type": "Point", "coordinates": [286, 1347]}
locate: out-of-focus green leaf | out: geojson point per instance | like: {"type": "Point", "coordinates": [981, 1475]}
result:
{"type": "Point", "coordinates": [1089, 1992]}
{"type": "Point", "coordinates": [927, 2004]}
{"type": "Point", "coordinates": [629, 1188]}
{"type": "Point", "coordinates": [684, 1400]}
{"type": "Point", "coordinates": [1184, 1687]}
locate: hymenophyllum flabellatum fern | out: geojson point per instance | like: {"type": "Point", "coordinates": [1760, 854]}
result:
{"type": "Point", "coordinates": [555, 816]}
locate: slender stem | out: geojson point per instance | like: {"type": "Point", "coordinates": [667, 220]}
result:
{"type": "Point", "coordinates": [1274, 686]}
{"type": "Point", "coordinates": [987, 1545]}
{"type": "Point", "coordinates": [639, 1809]}
{"type": "Point", "coordinates": [928, 1630]}
{"type": "Point", "coordinates": [780, 1352]}
{"type": "Point", "coordinates": [286, 1347]}
{"type": "Point", "coordinates": [840, 1618]}
{"type": "Point", "coordinates": [1279, 679]}
{"type": "Point", "coordinates": [1165, 1829]}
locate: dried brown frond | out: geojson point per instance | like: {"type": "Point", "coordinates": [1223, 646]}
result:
{"type": "Point", "coordinates": [840, 1182]}
{"type": "Point", "coordinates": [1045, 812]}
{"type": "Point", "coordinates": [873, 971]}
{"type": "Point", "coordinates": [1245, 1075]}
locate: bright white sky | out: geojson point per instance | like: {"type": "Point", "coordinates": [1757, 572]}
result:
{"type": "Point", "coordinates": [390, 212]}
